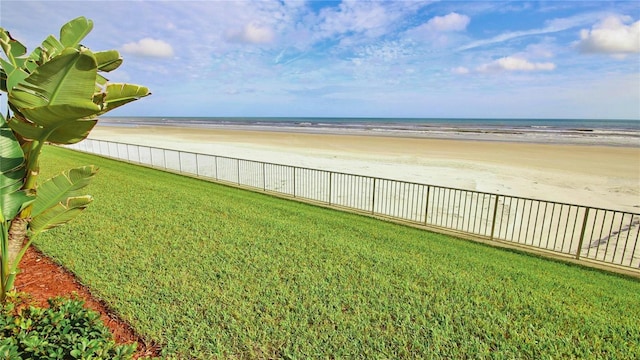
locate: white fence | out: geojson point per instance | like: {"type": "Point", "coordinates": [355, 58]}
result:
{"type": "Point", "coordinates": [601, 235]}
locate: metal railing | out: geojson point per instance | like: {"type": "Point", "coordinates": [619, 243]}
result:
{"type": "Point", "coordinates": [600, 235]}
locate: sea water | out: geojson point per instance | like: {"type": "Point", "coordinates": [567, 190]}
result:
{"type": "Point", "coordinates": [569, 131]}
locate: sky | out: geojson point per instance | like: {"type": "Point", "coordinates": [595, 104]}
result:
{"type": "Point", "coordinates": [397, 59]}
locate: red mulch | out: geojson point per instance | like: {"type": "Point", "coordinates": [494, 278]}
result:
{"type": "Point", "coordinates": [43, 279]}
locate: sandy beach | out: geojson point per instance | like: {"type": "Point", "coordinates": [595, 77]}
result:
{"type": "Point", "coordinates": [598, 176]}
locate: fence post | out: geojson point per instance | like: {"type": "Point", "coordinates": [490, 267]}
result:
{"type": "Point", "coordinates": [426, 206]}
{"type": "Point", "coordinates": [373, 196]}
{"type": "Point", "coordinates": [495, 216]}
{"type": "Point", "coordinates": [215, 164]}
{"type": "Point", "coordinates": [582, 232]}
{"type": "Point", "coordinates": [164, 157]}
{"type": "Point", "coordinates": [294, 181]}
{"type": "Point", "coordinates": [330, 185]}
{"type": "Point", "coordinates": [197, 166]}
{"type": "Point", "coordinates": [264, 177]}
{"type": "Point", "coordinates": [238, 172]}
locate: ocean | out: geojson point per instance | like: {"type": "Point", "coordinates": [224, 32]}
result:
{"type": "Point", "coordinates": [558, 131]}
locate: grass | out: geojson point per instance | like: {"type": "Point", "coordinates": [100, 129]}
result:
{"type": "Point", "coordinates": [210, 271]}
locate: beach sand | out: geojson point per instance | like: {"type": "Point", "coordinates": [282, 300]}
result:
{"type": "Point", "coordinates": [597, 176]}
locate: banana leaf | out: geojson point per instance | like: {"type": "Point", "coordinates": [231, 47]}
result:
{"type": "Point", "coordinates": [59, 214]}
{"type": "Point", "coordinates": [70, 132]}
{"type": "Point", "coordinates": [121, 94]}
{"type": "Point", "coordinates": [14, 75]}
{"type": "Point", "coordinates": [57, 92]}
{"type": "Point", "coordinates": [108, 60]}
{"type": "Point", "coordinates": [12, 171]}
{"type": "Point", "coordinates": [11, 47]}
{"type": "Point", "coordinates": [59, 200]}
{"type": "Point", "coordinates": [65, 185]}
{"type": "Point", "coordinates": [74, 31]}
{"type": "Point", "coordinates": [50, 48]}
{"type": "Point", "coordinates": [11, 70]}
{"type": "Point", "coordinates": [67, 79]}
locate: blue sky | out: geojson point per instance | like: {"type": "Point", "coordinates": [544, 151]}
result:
{"type": "Point", "coordinates": [508, 59]}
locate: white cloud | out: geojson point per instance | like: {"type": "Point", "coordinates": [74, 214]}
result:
{"type": "Point", "coordinates": [353, 21]}
{"type": "Point", "coordinates": [252, 34]}
{"type": "Point", "coordinates": [611, 36]}
{"type": "Point", "coordinates": [450, 22]}
{"type": "Point", "coordinates": [149, 47]}
{"type": "Point", "coordinates": [512, 63]}
{"type": "Point", "coordinates": [358, 17]}
{"type": "Point", "coordinates": [385, 52]}
{"type": "Point", "coordinates": [438, 30]}
{"type": "Point", "coordinates": [551, 26]}
{"type": "Point", "coordinates": [540, 50]}
{"type": "Point", "coordinates": [460, 70]}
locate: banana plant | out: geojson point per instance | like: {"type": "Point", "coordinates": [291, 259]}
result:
{"type": "Point", "coordinates": [55, 96]}
{"type": "Point", "coordinates": [12, 198]}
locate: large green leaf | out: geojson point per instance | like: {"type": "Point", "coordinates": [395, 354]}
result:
{"type": "Point", "coordinates": [26, 129]}
{"type": "Point", "coordinates": [59, 200]}
{"type": "Point", "coordinates": [101, 82]}
{"type": "Point", "coordinates": [12, 171]}
{"type": "Point", "coordinates": [11, 47]}
{"type": "Point", "coordinates": [52, 116]}
{"type": "Point", "coordinates": [59, 188]}
{"type": "Point", "coordinates": [71, 132]}
{"type": "Point", "coordinates": [57, 92]}
{"type": "Point", "coordinates": [121, 94]}
{"type": "Point", "coordinates": [74, 31]}
{"type": "Point", "coordinates": [67, 79]}
{"type": "Point", "coordinates": [11, 72]}
{"type": "Point", "coordinates": [12, 203]}
{"type": "Point", "coordinates": [50, 48]}
{"type": "Point", "coordinates": [36, 56]}
{"type": "Point", "coordinates": [14, 75]}
{"type": "Point", "coordinates": [59, 214]}
{"type": "Point", "coordinates": [108, 60]}
{"type": "Point", "coordinates": [12, 164]}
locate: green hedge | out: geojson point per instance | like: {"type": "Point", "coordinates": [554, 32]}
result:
{"type": "Point", "coordinates": [64, 330]}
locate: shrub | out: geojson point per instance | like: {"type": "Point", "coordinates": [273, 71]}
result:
{"type": "Point", "coordinates": [65, 330]}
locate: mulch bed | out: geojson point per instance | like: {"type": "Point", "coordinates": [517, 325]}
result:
{"type": "Point", "coordinates": [42, 279]}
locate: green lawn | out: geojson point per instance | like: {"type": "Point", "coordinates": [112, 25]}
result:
{"type": "Point", "coordinates": [210, 271]}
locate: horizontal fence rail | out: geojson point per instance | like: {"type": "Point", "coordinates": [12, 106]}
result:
{"type": "Point", "coordinates": [600, 235]}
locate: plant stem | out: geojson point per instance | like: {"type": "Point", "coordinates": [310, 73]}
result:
{"type": "Point", "coordinates": [4, 259]}
{"type": "Point", "coordinates": [13, 267]}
